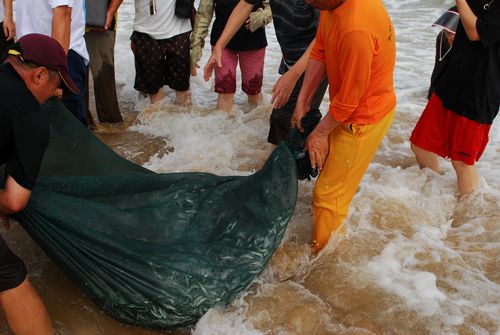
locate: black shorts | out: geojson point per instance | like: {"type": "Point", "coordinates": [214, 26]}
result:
{"type": "Point", "coordinates": [160, 62]}
{"type": "Point", "coordinates": [12, 269]}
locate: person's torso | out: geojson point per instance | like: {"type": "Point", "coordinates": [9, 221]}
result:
{"type": "Point", "coordinates": [35, 16]}
{"type": "Point", "coordinates": [295, 23]}
{"type": "Point", "coordinates": [470, 85]}
{"type": "Point", "coordinates": [243, 40]}
{"type": "Point", "coordinates": [370, 17]}
{"type": "Point", "coordinates": [162, 25]}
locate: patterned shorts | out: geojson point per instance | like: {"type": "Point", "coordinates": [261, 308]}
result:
{"type": "Point", "coordinates": [160, 62]}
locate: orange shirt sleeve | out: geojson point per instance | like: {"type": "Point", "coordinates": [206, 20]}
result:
{"type": "Point", "coordinates": [318, 49]}
{"type": "Point", "coordinates": [355, 55]}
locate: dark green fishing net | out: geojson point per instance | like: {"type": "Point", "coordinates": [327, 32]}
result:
{"type": "Point", "coordinates": [154, 250]}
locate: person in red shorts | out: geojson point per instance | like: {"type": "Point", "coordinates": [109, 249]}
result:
{"type": "Point", "coordinates": [456, 121]}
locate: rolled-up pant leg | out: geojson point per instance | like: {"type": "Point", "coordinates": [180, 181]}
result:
{"type": "Point", "coordinates": [352, 148]}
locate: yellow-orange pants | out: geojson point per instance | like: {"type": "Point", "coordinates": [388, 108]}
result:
{"type": "Point", "coordinates": [352, 147]}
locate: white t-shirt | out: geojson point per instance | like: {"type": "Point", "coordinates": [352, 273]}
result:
{"type": "Point", "coordinates": [2, 11]}
{"type": "Point", "coordinates": [35, 16]}
{"type": "Point", "coordinates": [164, 24]}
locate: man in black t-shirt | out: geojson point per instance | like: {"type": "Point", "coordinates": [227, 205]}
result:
{"type": "Point", "coordinates": [34, 69]}
{"type": "Point", "coordinates": [458, 116]}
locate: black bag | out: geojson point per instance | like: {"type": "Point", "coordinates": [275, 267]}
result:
{"type": "Point", "coordinates": [184, 8]}
{"type": "Point", "coordinates": [297, 141]}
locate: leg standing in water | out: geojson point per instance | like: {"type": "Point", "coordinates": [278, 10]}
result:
{"type": "Point", "coordinates": [246, 48]}
{"type": "Point", "coordinates": [100, 43]}
{"type": "Point", "coordinates": [456, 122]}
{"type": "Point", "coordinates": [359, 55]}
{"type": "Point", "coordinates": [160, 43]}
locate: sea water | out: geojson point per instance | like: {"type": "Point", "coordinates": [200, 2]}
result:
{"type": "Point", "coordinates": [413, 261]}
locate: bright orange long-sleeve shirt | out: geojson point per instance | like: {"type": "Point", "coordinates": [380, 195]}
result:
{"type": "Point", "coordinates": [356, 41]}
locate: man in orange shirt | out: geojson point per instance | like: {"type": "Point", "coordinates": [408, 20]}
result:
{"type": "Point", "coordinates": [355, 48]}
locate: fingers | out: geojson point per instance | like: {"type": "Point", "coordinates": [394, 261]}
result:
{"type": "Point", "coordinates": [280, 100]}
{"type": "Point", "coordinates": [7, 33]}
{"type": "Point", "coordinates": [318, 148]}
{"type": "Point", "coordinates": [209, 69]}
{"type": "Point", "coordinates": [214, 60]}
{"type": "Point", "coordinates": [295, 123]}
{"type": "Point", "coordinates": [194, 69]}
{"type": "Point", "coordinates": [319, 161]}
{"type": "Point", "coordinates": [281, 94]}
{"type": "Point", "coordinates": [109, 20]}
{"type": "Point", "coordinates": [276, 100]}
{"type": "Point", "coordinates": [312, 158]}
{"type": "Point", "coordinates": [299, 127]}
{"type": "Point", "coordinates": [316, 158]}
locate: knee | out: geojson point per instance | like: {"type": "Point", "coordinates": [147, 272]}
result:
{"type": "Point", "coordinates": [416, 150]}
{"type": "Point", "coordinates": [462, 168]}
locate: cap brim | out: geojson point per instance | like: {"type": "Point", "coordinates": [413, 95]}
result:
{"type": "Point", "coordinates": [448, 21]}
{"type": "Point", "coordinates": [68, 82]}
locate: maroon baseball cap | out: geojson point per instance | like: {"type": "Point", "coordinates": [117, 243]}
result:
{"type": "Point", "coordinates": [45, 51]}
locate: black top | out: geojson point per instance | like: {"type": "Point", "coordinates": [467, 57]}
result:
{"type": "Point", "coordinates": [24, 129]}
{"type": "Point", "coordinates": [470, 85]}
{"type": "Point", "coordinates": [243, 40]}
{"type": "Point", "coordinates": [295, 24]}
{"type": "Point", "coordinates": [440, 61]}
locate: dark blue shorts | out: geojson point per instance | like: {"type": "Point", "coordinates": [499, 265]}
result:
{"type": "Point", "coordinates": [12, 269]}
{"type": "Point", "coordinates": [76, 102]}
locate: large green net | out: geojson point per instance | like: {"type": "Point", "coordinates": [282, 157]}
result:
{"type": "Point", "coordinates": [154, 250]}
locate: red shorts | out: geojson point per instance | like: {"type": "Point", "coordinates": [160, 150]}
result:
{"type": "Point", "coordinates": [449, 135]}
{"type": "Point", "coordinates": [251, 66]}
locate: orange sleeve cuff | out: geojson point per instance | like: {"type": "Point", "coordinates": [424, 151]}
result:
{"type": "Point", "coordinates": [341, 111]}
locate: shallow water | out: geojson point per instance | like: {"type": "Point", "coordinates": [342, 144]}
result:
{"type": "Point", "coordinates": [413, 260]}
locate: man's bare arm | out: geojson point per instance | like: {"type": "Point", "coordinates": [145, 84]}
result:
{"type": "Point", "coordinates": [110, 13]}
{"type": "Point", "coordinates": [61, 26]}
{"type": "Point", "coordinates": [469, 20]}
{"type": "Point", "coordinates": [315, 73]}
{"type": "Point", "coordinates": [13, 198]}
{"type": "Point", "coordinates": [9, 29]}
